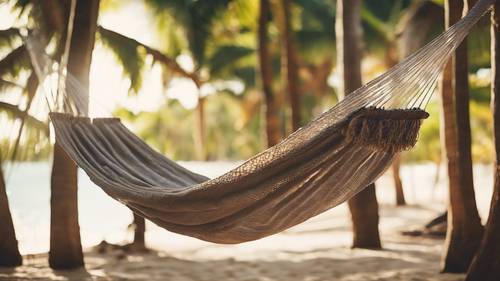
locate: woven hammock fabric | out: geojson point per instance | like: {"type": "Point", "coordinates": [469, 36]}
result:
{"type": "Point", "coordinates": [314, 169]}
{"type": "Point", "coordinates": [273, 191]}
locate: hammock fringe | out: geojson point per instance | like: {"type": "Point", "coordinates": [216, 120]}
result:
{"type": "Point", "coordinates": [385, 130]}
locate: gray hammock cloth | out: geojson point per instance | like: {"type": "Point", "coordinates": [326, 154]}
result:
{"type": "Point", "coordinates": [316, 168]}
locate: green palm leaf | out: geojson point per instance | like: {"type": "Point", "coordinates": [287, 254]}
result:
{"type": "Point", "coordinates": [127, 53]}
{"type": "Point", "coordinates": [7, 85]}
{"type": "Point", "coordinates": [14, 61]}
{"type": "Point", "coordinates": [8, 37]}
{"type": "Point", "coordinates": [195, 17]}
{"type": "Point", "coordinates": [16, 113]}
{"type": "Point", "coordinates": [227, 55]}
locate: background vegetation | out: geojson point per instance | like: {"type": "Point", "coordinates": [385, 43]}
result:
{"type": "Point", "coordinates": [221, 40]}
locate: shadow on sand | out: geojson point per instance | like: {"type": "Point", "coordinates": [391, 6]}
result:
{"type": "Point", "coordinates": [316, 264]}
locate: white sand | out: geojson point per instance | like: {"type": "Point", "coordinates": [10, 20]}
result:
{"type": "Point", "coordinates": [317, 250]}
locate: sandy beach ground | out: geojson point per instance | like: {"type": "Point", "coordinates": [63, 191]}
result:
{"type": "Point", "coordinates": [316, 250]}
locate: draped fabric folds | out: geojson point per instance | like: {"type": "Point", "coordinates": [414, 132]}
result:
{"type": "Point", "coordinates": [279, 188]}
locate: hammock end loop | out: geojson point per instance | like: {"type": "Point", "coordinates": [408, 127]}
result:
{"type": "Point", "coordinates": [385, 130]}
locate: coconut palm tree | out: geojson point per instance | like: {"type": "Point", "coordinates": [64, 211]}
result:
{"type": "Point", "coordinates": [312, 60]}
{"type": "Point", "coordinates": [384, 25]}
{"type": "Point", "coordinates": [266, 73]}
{"type": "Point", "coordinates": [196, 19]}
{"type": "Point", "coordinates": [10, 152]}
{"type": "Point", "coordinates": [65, 245]}
{"type": "Point", "coordinates": [363, 206]}
{"type": "Point", "coordinates": [129, 53]}
{"type": "Point", "coordinates": [464, 225]}
{"type": "Point", "coordinates": [289, 63]}
{"type": "Point", "coordinates": [52, 18]}
{"type": "Point", "coordinates": [17, 60]}
{"type": "Point", "coordinates": [387, 26]}
{"type": "Point", "coordinates": [8, 243]}
{"type": "Point", "coordinates": [486, 264]}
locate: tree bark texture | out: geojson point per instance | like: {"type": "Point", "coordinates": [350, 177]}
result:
{"type": "Point", "coordinates": [486, 265]}
{"type": "Point", "coordinates": [363, 206]}
{"type": "Point", "coordinates": [464, 225]}
{"type": "Point", "coordinates": [65, 243]}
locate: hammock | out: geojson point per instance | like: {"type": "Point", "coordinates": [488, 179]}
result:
{"type": "Point", "coordinates": [314, 169]}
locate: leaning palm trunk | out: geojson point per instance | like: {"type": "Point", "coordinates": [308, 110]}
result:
{"type": "Point", "coordinates": [363, 206]}
{"type": "Point", "coordinates": [464, 225]}
{"type": "Point", "coordinates": [9, 252]}
{"type": "Point", "coordinates": [271, 107]}
{"type": "Point", "coordinates": [486, 265]}
{"type": "Point", "coordinates": [65, 245]}
{"type": "Point", "coordinates": [289, 60]}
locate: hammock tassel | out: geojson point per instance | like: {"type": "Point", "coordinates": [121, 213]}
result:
{"type": "Point", "coordinates": [391, 130]}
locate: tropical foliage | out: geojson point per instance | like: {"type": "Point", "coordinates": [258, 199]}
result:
{"type": "Point", "coordinates": [220, 37]}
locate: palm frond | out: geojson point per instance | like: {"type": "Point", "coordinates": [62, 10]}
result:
{"type": "Point", "coordinates": [8, 37]}
{"type": "Point", "coordinates": [313, 45]}
{"type": "Point", "coordinates": [226, 55]}
{"type": "Point", "coordinates": [22, 6]}
{"type": "Point", "coordinates": [203, 14]}
{"type": "Point", "coordinates": [317, 14]}
{"type": "Point", "coordinates": [195, 18]}
{"type": "Point", "coordinates": [14, 61]}
{"type": "Point", "coordinates": [172, 39]}
{"type": "Point", "coordinates": [127, 53]}
{"type": "Point", "coordinates": [158, 56]}
{"type": "Point", "coordinates": [246, 74]}
{"type": "Point", "coordinates": [30, 90]}
{"type": "Point", "coordinates": [32, 122]}
{"type": "Point", "coordinates": [6, 85]}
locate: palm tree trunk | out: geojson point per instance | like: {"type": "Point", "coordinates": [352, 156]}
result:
{"type": "Point", "coordinates": [8, 244]}
{"type": "Point", "coordinates": [200, 137]}
{"type": "Point", "coordinates": [400, 196]}
{"type": "Point", "coordinates": [290, 67]}
{"type": "Point", "coordinates": [363, 206]}
{"type": "Point", "coordinates": [10, 255]}
{"type": "Point", "coordinates": [271, 116]}
{"type": "Point", "coordinates": [486, 265]}
{"type": "Point", "coordinates": [365, 218]}
{"type": "Point", "coordinates": [139, 233]}
{"type": "Point", "coordinates": [65, 245]}
{"type": "Point", "coordinates": [391, 59]}
{"type": "Point", "coordinates": [464, 225]}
